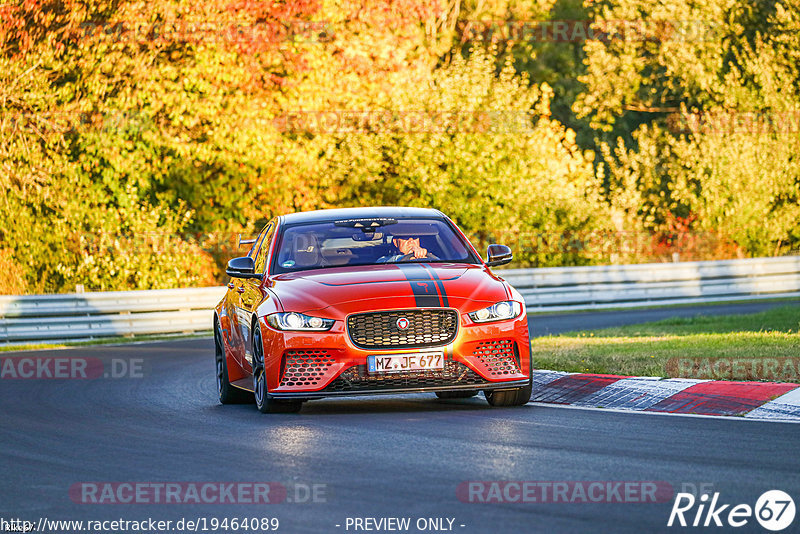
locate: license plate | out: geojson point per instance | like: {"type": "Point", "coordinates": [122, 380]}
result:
{"type": "Point", "coordinates": [403, 363]}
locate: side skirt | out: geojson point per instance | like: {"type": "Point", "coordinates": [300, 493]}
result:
{"type": "Point", "coordinates": [244, 383]}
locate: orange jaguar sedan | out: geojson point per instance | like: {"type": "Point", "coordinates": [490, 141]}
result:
{"type": "Point", "coordinates": [367, 301]}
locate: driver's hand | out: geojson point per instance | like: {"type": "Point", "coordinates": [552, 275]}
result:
{"type": "Point", "coordinates": [411, 247]}
{"type": "Point", "coordinates": [419, 252]}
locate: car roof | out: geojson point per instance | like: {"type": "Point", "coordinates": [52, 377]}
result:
{"type": "Point", "coordinates": [394, 212]}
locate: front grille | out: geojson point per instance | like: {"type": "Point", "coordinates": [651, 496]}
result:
{"type": "Point", "coordinates": [305, 367]}
{"type": "Point", "coordinates": [426, 328]}
{"type": "Point", "coordinates": [499, 357]}
{"type": "Point", "coordinates": [357, 378]}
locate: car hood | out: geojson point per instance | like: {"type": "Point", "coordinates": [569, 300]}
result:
{"type": "Point", "coordinates": [344, 290]}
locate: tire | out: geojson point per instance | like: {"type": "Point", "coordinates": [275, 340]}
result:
{"type": "Point", "coordinates": [456, 394]}
{"type": "Point", "coordinates": [227, 393]}
{"type": "Point", "coordinates": [509, 397]}
{"type": "Point", "coordinates": [512, 397]}
{"type": "Point", "coordinates": [264, 403]}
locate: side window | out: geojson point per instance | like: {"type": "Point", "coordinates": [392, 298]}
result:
{"type": "Point", "coordinates": [263, 248]}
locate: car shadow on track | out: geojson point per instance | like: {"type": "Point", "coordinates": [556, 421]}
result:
{"type": "Point", "coordinates": [384, 405]}
{"type": "Point", "coordinates": [391, 405]}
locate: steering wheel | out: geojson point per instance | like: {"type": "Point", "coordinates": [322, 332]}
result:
{"type": "Point", "coordinates": [410, 256]}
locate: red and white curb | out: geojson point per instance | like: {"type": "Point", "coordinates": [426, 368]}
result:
{"type": "Point", "coordinates": [756, 400]}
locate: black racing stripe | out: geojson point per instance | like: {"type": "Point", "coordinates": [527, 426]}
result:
{"type": "Point", "coordinates": [439, 284]}
{"type": "Point", "coordinates": [422, 285]}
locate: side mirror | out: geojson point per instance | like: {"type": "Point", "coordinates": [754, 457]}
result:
{"type": "Point", "coordinates": [498, 255]}
{"type": "Point", "coordinates": [243, 267]}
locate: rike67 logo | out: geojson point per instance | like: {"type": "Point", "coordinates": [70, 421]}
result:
{"type": "Point", "coordinates": [774, 510]}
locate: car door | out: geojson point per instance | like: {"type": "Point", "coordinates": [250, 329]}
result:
{"type": "Point", "coordinates": [253, 293]}
{"type": "Point", "coordinates": [239, 324]}
{"type": "Point", "coordinates": [228, 321]}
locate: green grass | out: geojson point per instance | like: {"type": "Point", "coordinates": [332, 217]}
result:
{"type": "Point", "coordinates": [748, 344]}
{"type": "Point", "coordinates": [792, 300]}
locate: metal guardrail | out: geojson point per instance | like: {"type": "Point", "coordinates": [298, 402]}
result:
{"type": "Point", "coordinates": [129, 313]}
{"type": "Point", "coordinates": [655, 284]}
{"type": "Point", "coordinates": [107, 313]}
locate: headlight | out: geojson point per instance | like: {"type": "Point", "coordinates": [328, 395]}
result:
{"type": "Point", "coordinates": [298, 321]}
{"type": "Point", "coordinates": [508, 309]}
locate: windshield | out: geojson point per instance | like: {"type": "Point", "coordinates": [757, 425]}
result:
{"type": "Point", "coordinates": [368, 242]}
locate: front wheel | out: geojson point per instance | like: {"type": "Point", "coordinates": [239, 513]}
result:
{"type": "Point", "coordinates": [263, 402]}
{"type": "Point", "coordinates": [227, 393]}
{"type": "Point", "coordinates": [509, 397]}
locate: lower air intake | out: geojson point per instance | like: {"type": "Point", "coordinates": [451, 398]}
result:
{"type": "Point", "coordinates": [305, 367]}
{"type": "Point", "coordinates": [499, 356]}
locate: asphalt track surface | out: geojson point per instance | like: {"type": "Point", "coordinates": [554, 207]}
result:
{"type": "Point", "coordinates": [391, 456]}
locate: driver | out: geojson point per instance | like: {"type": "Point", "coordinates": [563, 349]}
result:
{"type": "Point", "coordinates": [409, 250]}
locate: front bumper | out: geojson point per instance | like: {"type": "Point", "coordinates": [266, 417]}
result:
{"type": "Point", "coordinates": [321, 364]}
{"type": "Point", "coordinates": [396, 390]}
